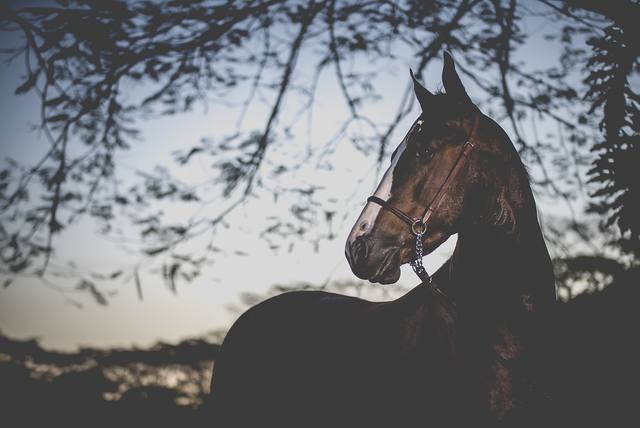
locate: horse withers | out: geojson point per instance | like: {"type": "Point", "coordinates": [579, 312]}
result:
{"type": "Point", "coordinates": [464, 348]}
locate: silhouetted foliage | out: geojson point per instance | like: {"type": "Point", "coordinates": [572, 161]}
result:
{"type": "Point", "coordinates": [595, 356]}
{"type": "Point", "coordinates": [616, 171]}
{"type": "Point", "coordinates": [164, 385]}
{"type": "Point", "coordinates": [99, 68]}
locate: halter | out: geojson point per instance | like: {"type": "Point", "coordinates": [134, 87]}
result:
{"type": "Point", "coordinates": [418, 226]}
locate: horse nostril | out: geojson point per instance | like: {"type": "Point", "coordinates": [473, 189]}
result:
{"type": "Point", "coordinates": [364, 226]}
{"type": "Point", "coordinates": [360, 249]}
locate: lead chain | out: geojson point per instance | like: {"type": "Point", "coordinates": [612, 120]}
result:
{"type": "Point", "coordinates": [416, 263]}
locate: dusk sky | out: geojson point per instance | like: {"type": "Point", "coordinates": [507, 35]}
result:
{"type": "Point", "coordinates": [30, 307]}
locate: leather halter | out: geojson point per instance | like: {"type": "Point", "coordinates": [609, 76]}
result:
{"type": "Point", "coordinates": [418, 226]}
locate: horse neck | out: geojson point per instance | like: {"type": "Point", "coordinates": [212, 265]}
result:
{"type": "Point", "coordinates": [505, 266]}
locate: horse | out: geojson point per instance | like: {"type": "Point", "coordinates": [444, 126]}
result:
{"type": "Point", "coordinates": [464, 348]}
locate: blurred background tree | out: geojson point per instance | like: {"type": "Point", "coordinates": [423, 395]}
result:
{"type": "Point", "coordinates": [100, 68]}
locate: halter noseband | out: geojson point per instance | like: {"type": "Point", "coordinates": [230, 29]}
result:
{"type": "Point", "coordinates": [418, 226]}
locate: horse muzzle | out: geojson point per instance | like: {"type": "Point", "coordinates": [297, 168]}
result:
{"type": "Point", "coordinates": [373, 261]}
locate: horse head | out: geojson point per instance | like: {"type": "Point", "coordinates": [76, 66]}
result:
{"type": "Point", "coordinates": [442, 141]}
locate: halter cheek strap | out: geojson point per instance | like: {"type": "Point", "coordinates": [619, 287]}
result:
{"type": "Point", "coordinates": [419, 225]}
{"type": "Point", "coordinates": [387, 206]}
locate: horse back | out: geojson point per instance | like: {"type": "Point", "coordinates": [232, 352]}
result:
{"type": "Point", "coordinates": [329, 359]}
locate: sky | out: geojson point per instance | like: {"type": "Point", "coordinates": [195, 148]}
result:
{"type": "Point", "coordinates": [31, 308]}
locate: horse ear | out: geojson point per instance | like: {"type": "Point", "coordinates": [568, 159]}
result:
{"type": "Point", "coordinates": [422, 94]}
{"type": "Point", "coordinates": [451, 80]}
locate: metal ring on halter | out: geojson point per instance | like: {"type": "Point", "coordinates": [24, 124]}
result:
{"type": "Point", "coordinates": [418, 224]}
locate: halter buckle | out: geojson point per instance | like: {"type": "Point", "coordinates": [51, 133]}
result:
{"type": "Point", "coordinates": [418, 227]}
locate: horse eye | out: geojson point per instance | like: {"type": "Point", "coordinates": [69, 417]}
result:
{"type": "Point", "coordinates": [426, 153]}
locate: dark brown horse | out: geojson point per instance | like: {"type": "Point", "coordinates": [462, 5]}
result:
{"type": "Point", "coordinates": [462, 350]}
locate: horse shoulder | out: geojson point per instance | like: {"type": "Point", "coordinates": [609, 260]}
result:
{"type": "Point", "coordinates": [285, 322]}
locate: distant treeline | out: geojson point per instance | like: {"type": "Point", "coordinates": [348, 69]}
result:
{"type": "Point", "coordinates": [164, 385]}
{"type": "Point", "coordinates": [594, 366]}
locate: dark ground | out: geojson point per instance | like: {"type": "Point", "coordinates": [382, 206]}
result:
{"type": "Point", "coordinates": [595, 371]}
